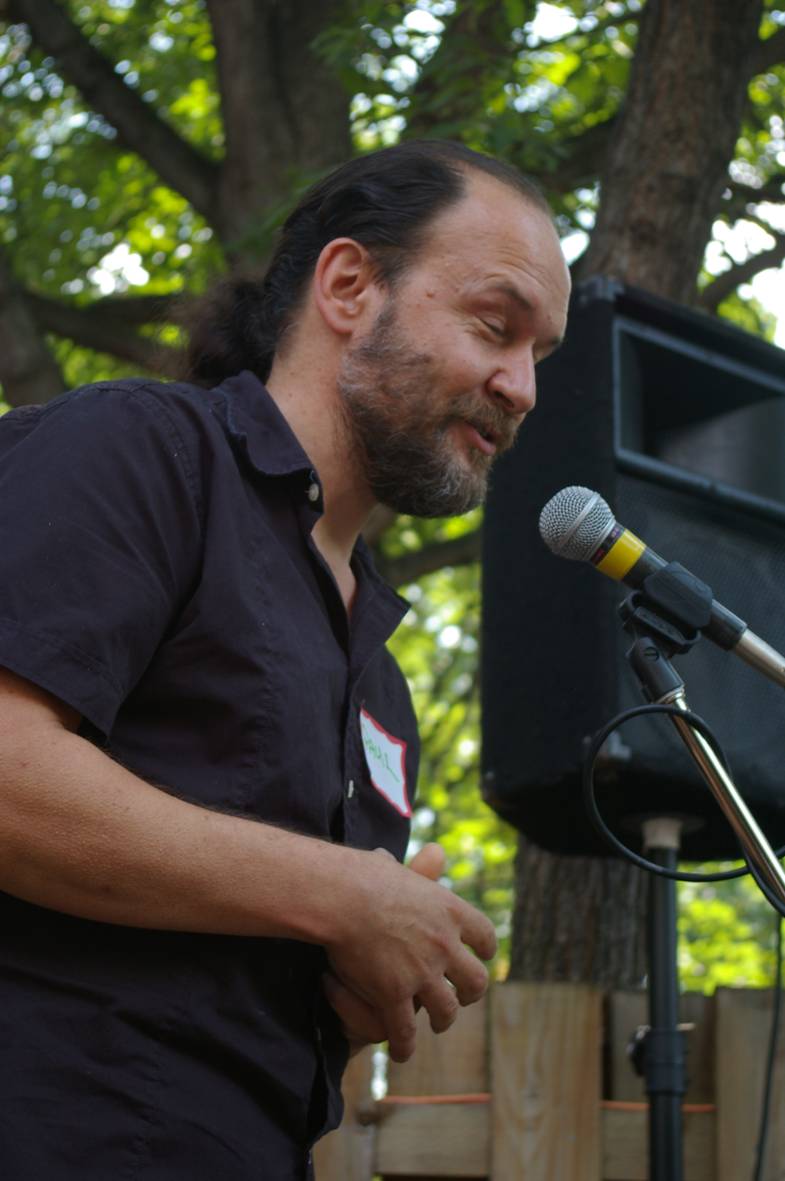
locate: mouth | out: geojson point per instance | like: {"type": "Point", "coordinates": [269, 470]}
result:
{"type": "Point", "coordinates": [479, 436]}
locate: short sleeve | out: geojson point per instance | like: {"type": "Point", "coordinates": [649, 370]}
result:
{"type": "Point", "coordinates": [100, 539]}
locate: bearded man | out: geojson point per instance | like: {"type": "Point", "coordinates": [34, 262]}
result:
{"type": "Point", "coordinates": [207, 755]}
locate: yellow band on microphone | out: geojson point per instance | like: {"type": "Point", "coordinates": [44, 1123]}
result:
{"type": "Point", "coordinates": [622, 555]}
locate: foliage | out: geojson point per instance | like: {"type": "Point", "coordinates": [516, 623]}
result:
{"type": "Point", "coordinates": [82, 216]}
{"type": "Point", "coordinates": [727, 935]}
{"type": "Point", "coordinates": [750, 315]}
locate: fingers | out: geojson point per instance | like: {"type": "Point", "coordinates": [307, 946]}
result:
{"type": "Point", "coordinates": [361, 1022]}
{"type": "Point", "coordinates": [441, 1003]}
{"type": "Point", "coordinates": [477, 931]}
{"type": "Point", "coordinates": [468, 976]}
{"type": "Point", "coordinates": [401, 1030]}
{"type": "Point", "coordinates": [430, 862]}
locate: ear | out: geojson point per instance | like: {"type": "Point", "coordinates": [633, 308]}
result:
{"type": "Point", "coordinates": [344, 288]}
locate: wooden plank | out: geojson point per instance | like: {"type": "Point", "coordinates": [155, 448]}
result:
{"type": "Point", "coordinates": [433, 1140]}
{"type": "Point", "coordinates": [743, 1029]}
{"type": "Point", "coordinates": [450, 1063]}
{"type": "Point", "coordinates": [347, 1153]}
{"type": "Point", "coordinates": [627, 1009]}
{"type": "Point", "coordinates": [625, 1152]}
{"type": "Point", "coordinates": [545, 1071]}
{"type": "Point", "coordinates": [700, 1011]}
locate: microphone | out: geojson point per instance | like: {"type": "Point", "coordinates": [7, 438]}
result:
{"type": "Point", "coordinates": [577, 524]}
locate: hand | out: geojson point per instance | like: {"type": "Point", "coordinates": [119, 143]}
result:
{"type": "Point", "coordinates": [362, 1024]}
{"type": "Point", "coordinates": [402, 940]}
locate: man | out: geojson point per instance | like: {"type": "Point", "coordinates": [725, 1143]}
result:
{"type": "Point", "coordinates": [206, 754]}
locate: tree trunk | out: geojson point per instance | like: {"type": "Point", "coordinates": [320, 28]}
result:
{"type": "Point", "coordinates": [578, 919]}
{"type": "Point", "coordinates": [663, 176]}
{"type": "Point", "coordinates": [284, 111]}
{"type": "Point", "coordinates": [668, 159]}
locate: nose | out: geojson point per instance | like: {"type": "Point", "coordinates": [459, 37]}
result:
{"type": "Point", "coordinates": [513, 384]}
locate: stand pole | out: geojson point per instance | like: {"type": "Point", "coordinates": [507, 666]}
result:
{"type": "Point", "coordinates": [664, 1065]}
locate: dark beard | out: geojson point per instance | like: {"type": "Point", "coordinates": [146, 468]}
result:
{"type": "Point", "coordinates": [408, 455]}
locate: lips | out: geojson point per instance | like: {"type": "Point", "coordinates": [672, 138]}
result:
{"type": "Point", "coordinates": [487, 429]}
{"type": "Point", "coordinates": [481, 437]}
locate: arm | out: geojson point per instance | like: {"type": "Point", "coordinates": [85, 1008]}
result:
{"type": "Point", "coordinates": [80, 834]}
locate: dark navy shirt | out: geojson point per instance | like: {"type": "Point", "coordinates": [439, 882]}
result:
{"type": "Point", "coordinates": [157, 574]}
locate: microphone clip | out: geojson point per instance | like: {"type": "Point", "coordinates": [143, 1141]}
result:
{"type": "Point", "coordinates": [656, 638]}
{"type": "Point", "coordinates": [684, 598]}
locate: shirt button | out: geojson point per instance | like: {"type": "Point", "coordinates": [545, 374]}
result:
{"type": "Point", "coordinates": [350, 789]}
{"type": "Point", "coordinates": [313, 492]}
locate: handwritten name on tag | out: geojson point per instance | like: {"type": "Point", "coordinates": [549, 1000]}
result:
{"type": "Point", "coordinates": [386, 759]}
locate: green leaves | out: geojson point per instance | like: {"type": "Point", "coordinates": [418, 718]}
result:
{"type": "Point", "coordinates": [727, 936]}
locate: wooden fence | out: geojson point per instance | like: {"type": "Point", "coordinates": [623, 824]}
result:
{"type": "Point", "coordinates": [534, 1084]}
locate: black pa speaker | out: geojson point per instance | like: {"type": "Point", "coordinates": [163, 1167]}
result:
{"type": "Point", "coordinates": [678, 420]}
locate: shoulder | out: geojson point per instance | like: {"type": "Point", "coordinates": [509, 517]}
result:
{"type": "Point", "coordinates": [105, 403]}
{"type": "Point", "coordinates": [110, 425]}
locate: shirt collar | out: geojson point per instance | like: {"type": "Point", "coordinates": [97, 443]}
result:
{"type": "Point", "coordinates": [260, 431]}
{"type": "Point", "coordinates": [257, 427]}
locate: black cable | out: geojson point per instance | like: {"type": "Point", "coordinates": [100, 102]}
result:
{"type": "Point", "coordinates": [760, 1151]}
{"type": "Point", "coordinates": [697, 723]}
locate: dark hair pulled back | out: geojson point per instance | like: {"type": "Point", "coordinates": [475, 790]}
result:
{"type": "Point", "coordinates": [384, 200]}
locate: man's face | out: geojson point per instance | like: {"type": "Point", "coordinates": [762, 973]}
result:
{"type": "Point", "coordinates": [444, 378]}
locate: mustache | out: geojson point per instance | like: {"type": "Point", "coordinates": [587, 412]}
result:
{"type": "Point", "coordinates": [491, 421]}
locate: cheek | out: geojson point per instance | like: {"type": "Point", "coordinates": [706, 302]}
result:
{"type": "Point", "coordinates": [466, 366]}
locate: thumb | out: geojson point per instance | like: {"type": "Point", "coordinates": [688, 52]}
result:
{"type": "Point", "coordinates": [430, 862]}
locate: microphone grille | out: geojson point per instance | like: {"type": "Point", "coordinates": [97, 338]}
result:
{"type": "Point", "coordinates": [574, 522]}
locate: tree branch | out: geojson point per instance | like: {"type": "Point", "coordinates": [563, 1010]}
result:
{"type": "Point", "coordinates": [93, 327]}
{"type": "Point", "coordinates": [459, 551]}
{"type": "Point", "coordinates": [608, 22]}
{"type": "Point", "coordinates": [582, 159]}
{"type": "Point", "coordinates": [443, 96]}
{"type": "Point", "coordinates": [434, 105]}
{"type": "Point", "coordinates": [178, 164]}
{"type": "Point", "coordinates": [743, 194]}
{"type": "Point", "coordinates": [766, 54]}
{"type": "Point", "coordinates": [147, 309]}
{"type": "Point", "coordinates": [725, 284]}
{"type": "Point", "coordinates": [28, 371]}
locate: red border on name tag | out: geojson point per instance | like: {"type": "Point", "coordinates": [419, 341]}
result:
{"type": "Point", "coordinates": [396, 742]}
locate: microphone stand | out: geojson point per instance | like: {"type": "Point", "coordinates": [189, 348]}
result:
{"type": "Point", "coordinates": [657, 636]}
{"type": "Point", "coordinates": [662, 1050]}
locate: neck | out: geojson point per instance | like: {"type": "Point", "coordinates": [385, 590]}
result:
{"type": "Point", "coordinates": [311, 406]}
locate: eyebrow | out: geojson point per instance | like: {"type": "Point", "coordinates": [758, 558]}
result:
{"type": "Point", "coordinates": [517, 297]}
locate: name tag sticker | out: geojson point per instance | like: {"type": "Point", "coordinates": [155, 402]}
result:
{"type": "Point", "coordinates": [386, 759]}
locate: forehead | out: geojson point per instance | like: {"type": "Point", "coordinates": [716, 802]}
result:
{"type": "Point", "coordinates": [495, 232]}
